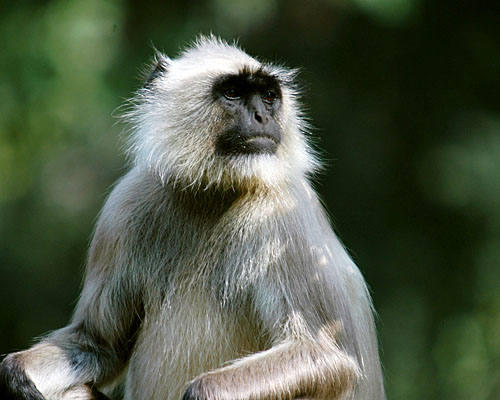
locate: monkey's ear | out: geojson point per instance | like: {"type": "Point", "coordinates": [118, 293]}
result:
{"type": "Point", "coordinates": [160, 66]}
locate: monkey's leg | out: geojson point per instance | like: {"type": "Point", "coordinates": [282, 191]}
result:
{"type": "Point", "coordinates": [72, 361]}
{"type": "Point", "coordinates": [90, 352]}
{"type": "Point", "coordinates": [16, 386]}
{"type": "Point", "coordinates": [47, 371]}
{"type": "Point", "coordinates": [297, 368]}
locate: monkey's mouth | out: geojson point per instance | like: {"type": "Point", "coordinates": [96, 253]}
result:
{"type": "Point", "coordinates": [253, 143]}
{"type": "Point", "coordinates": [259, 144]}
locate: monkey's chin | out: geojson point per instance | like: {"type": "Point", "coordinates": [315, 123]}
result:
{"type": "Point", "coordinates": [252, 171]}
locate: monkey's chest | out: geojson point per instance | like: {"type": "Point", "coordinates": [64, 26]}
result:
{"type": "Point", "coordinates": [188, 335]}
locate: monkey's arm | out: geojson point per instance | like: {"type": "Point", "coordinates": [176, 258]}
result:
{"type": "Point", "coordinates": [296, 368]}
{"type": "Point", "coordinates": [71, 362]}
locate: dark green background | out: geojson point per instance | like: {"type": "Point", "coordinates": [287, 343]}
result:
{"type": "Point", "coordinates": [404, 96]}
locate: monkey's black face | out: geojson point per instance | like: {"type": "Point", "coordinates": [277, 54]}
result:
{"type": "Point", "coordinates": [252, 101]}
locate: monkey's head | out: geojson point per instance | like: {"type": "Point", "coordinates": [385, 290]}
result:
{"type": "Point", "coordinates": [216, 117]}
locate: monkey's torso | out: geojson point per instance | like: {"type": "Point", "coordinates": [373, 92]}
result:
{"type": "Point", "coordinates": [189, 335]}
{"type": "Point", "coordinates": [223, 281]}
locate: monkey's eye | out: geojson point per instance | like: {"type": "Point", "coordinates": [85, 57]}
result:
{"type": "Point", "coordinates": [270, 96]}
{"type": "Point", "coordinates": [232, 93]}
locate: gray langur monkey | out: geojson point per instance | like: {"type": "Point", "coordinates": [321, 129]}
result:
{"type": "Point", "coordinates": [213, 273]}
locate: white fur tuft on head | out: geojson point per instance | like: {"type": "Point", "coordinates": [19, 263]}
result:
{"type": "Point", "coordinates": [175, 121]}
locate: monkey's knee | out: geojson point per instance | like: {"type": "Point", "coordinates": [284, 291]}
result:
{"type": "Point", "coordinates": [14, 383]}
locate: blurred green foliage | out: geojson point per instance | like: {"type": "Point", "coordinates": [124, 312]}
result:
{"type": "Point", "coordinates": [405, 98]}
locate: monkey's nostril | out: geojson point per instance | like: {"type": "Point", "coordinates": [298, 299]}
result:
{"type": "Point", "coordinates": [257, 117]}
